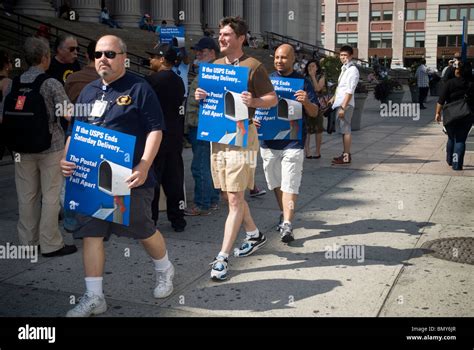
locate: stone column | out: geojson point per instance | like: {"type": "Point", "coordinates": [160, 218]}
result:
{"type": "Point", "coordinates": [363, 30]}
{"type": "Point", "coordinates": [191, 10]}
{"type": "Point", "coordinates": [41, 8]}
{"type": "Point", "coordinates": [127, 12]}
{"type": "Point", "coordinates": [88, 10]}
{"type": "Point", "coordinates": [252, 12]}
{"type": "Point", "coordinates": [234, 8]}
{"type": "Point", "coordinates": [398, 35]}
{"type": "Point", "coordinates": [330, 25]}
{"type": "Point", "coordinates": [213, 13]}
{"type": "Point", "coordinates": [162, 10]}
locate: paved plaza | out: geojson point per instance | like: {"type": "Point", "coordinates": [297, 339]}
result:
{"type": "Point", "coordinates": [396, 197]}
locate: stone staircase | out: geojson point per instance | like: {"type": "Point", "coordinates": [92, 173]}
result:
{"type": "Point", "coordinates": [138, 41]}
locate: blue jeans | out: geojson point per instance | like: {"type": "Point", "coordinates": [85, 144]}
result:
{"type": "Point", "coordinates": [204, 192]}
{"type": "Point", "coordinates": [456, 146]}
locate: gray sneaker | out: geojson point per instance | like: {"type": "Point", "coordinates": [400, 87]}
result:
{"type": "Point", "coordinates": [280, 223]}
{"type": "Point", "coordinates": [164, 285]}
{"type": "Point", "coordinates": [90, 304]}
{"type": "Point", "coordinates": [286, 233]}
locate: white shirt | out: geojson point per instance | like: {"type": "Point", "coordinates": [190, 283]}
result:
{"type": "Point", "coordinates": [347, 84]}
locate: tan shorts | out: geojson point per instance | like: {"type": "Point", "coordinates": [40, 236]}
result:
{"type": "Point", "coordinates": [233, 168]}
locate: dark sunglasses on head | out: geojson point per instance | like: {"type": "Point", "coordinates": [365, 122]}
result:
{"type": "Point", "coordinates": [74, 48]}
{"type": "Point", "coordinates": [108, 54]}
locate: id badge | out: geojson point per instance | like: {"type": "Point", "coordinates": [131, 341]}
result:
{"type": "Point", "coordinates": [98, 109]}
{"type": "Point", "coordinates": [20, 103]}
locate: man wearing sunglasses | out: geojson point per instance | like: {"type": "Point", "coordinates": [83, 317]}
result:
{"type": "Point", "coordinates": [125, 103]}
{"type": "Point", "coordinates": [65, 61]}
{"type": "Point", "coordinates": [78, 80]}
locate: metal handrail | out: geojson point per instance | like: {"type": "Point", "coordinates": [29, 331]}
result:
{"type": "Point", "coordinates": [286, 39]}
{"type": "Point", "coordinates": [135, 60]}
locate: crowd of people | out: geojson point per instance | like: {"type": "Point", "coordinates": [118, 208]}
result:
{"type": "Point", "coordinates": [155, 117]}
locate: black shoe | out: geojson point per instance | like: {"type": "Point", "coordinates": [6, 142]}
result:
{"type": "Point", "coordinates": [179, 225]}
{"type": "Point", "coordinates": [66, 250]}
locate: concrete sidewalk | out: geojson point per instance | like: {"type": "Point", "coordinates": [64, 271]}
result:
{"type": "Point", "coordinates": [397, 195]}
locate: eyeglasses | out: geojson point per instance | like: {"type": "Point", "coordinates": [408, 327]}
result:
{"type": "Point", "coordinates": [74, 48]}
{"type": "Point", "coordinates": [108, 54]}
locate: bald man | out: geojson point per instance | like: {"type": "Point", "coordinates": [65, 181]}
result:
{"type": "Point", "coordinates": [141, 116]}
{"type": "Point", "coordinates": [283, 159]}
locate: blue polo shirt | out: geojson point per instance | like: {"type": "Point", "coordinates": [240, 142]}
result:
{"type": "Point", "coordinates": [292, 144]}
{"type": "Point", "coordinates": [137, 116]}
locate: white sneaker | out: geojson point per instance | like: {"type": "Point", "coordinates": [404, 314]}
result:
{"type": "Point", "coordinates": [219, 268]}
{"type": "Point", "coordinates": [164, 285]}
{"type": "Point", "coordinates": [90, 304]}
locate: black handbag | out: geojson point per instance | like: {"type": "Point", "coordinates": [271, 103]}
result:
{"type": "Point", "coordinates": [331, 127]}
{"type": "Point", "coordinates": [456, 110]}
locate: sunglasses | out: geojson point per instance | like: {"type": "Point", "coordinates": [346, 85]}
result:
{"type": "Point", "coordinates": [108, 54]}
{"type": "Point", "coordinates": [73, 48]}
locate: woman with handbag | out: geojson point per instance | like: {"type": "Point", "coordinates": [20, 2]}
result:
{"type": "Point", "coordinates": [314, 126]}
{"type": "Point", "coordinates": [460, 120]}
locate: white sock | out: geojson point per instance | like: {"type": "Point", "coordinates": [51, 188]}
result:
{"type": "Point", "coordinates": [94, 285]}
{"type": "Point", "coordinates": [287, 222]}
{"type": "Point", "coordinates": [224, 255]}
{"type": "Point", "coordinates": [253, 234]}
{"type": "Point", "coordinates": [163, 264]}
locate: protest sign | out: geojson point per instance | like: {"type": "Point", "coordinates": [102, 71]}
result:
{"type": "Point", "coordinates": [285, 120]}
{"type": "Point", "coordinates": [223, 117]}
{"type": "Point", "coordinates": [172, 35]}
{"type": "Point", "coordinates": [104, 161]}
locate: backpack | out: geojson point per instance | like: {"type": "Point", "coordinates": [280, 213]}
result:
{"type": "Point", "coordinates": [25, 126]}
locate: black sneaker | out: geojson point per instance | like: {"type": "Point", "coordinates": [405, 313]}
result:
{"type": "Point", "coordinates": [250, 245]}
{"type": "Point", "coordinates": [179, 225]}
{"type": "Point", "coordinates": [66, 250]}
{"type": "Point", "coordinates": [286, 233]}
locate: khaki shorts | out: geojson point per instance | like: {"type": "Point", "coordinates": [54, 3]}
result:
{"type": "Point", "coordinates": [233, 167]}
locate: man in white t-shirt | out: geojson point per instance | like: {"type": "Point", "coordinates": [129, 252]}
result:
{"type": "Point", "coordinates": [343, 102]}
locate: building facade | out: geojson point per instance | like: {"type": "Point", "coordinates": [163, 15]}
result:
{"type": "Point", "coordinates": [398, 32]}
{"type": "Point", "coordinates": [299, 19]}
